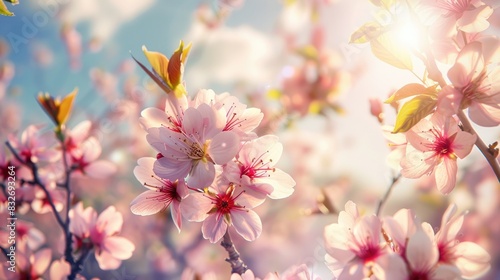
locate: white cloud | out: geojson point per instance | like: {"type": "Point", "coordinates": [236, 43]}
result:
{"type": "Point", "coordinates": [104, 16]}
{"type": "Point", "coordinates": [240, 55]}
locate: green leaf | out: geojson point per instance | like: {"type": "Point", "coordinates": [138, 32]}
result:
{"type": "Point", "coordinates": [4, 11]}
{"type": "Point", "coordinates": [14, 2]}
{"type": "Point", "coordinates": [366, 33]}
{"type": "Point", "coordinates": [413, 111]}
{"type": "Point", "coordinates": [411, 90]}
{"type": "Point", "coordinates": [391, 51]}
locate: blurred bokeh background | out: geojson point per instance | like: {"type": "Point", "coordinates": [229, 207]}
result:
{"type": "Point", "coordinates": [270, 54]}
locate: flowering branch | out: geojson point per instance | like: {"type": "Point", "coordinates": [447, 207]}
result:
{"type": "Point", "coordinates": [436, 75]}
{"type": "Point", "coordinates": [237, 265]}
{"type": "Point", "coordinates": [395, 179]}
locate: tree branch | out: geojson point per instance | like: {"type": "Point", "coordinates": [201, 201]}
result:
{"type": "Point", "coordinates": [237, 265]}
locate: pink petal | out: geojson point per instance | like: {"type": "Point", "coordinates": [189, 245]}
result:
{"type": "Point", "coordinates": [390, 266]}
{"type": "Point", "coordinates": [60, 270]}
{"type": "Point", "coordinates": [182, 189]}
{"type": "Point", "coordinates": [149, 202]}
{"type": "Point", "coordinates": [144, 171]}
{"type": "Point", "coordinates": [416, 164]}
{"type": "Point", "coordinates": [421, 253]}
{"type": "Point", "coordinates": [469, 65]}
{"type": "Point", "coordinates": [281, 182]}
{"type": "Point", "coordinates": [110, 221]}
{"type": "Point", "coordinates": [213, 229]}
{"type": "Point", "coordinates": [195, 207]}
{"type": "Point", "coordinates": [81, 131]}
{"type": "Point", "coordinates": [224, 147]}
{"type": "Point", "coordinates": [175, 212]}
{"type": "Point", "coordinates": [41, 261]}
{"type": "Point", "coordinates": [463, 143]}
{"type": "Point", "coordinates": [153, 117]}
{"type": "Point", "coordinates": [100, 169]}
{"type": "Point", "coordinates": [247, 224]}
{"type": "Point", "coordinates": [445, 272]}
{"type": "Point", "coordinates": [449, 100]}
{"type": "Point", "coordinates": [106, 260]}
{"type": "Point", "coordinates": [484, 114]}
{"type": "Point", "coordinates": [91, 149]}
{"type": "Point", "coordinates": [202, 175]}
{"type": "Point", "coordinates": [119, 247]}
{"type": "Point", "coordinates": [472, 260]}
{"type": "Point", "coordinates": [170, 169]}
{"type": "Point", "coordinates": [446, 175]}
{"type": "Point", "coordinates": [475, 20]}
{"type": "Point", "coordinates": [192, 123]}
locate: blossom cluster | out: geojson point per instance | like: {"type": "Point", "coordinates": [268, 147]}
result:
{"type": "Point", "coordinates": [400, 247]}
{"type": "Point", "coordinates": [210, 165]}
{"type": "Point", "coordinates": [431, 131]}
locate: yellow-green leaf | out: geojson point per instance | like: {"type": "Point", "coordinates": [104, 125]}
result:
{"type": "Point", "coordinates": [413, 111]}
{"type": "Point", "coordinates": [4, 11]}
{"type": "Point", "coordinates": [308, 52]}
{"type": "Point", "coordinates": [366, 33]}
{"type": "Point", "coordinates": [391, 51]}
{"type": "Point", "coordinates": [411, 90]}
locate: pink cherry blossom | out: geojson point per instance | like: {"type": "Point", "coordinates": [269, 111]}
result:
{"type": "Point", "coordinates": [422, 258]}
{"type": "Point", "coordinates": [171, 117]}
{"type": "Point", "coordinates": [76, 137]}
{"type": "Point", "coordinates": [100, 234]}
{"type": "Point", "coordinates": [195, 150]}
{"type": "Point", "coordinates": [471, 259]}
{"type": "Point", "coordinates": [472, 87]}
{"type": "Point", "coordinates": [353, 244]}
{"type": "Point", "coordinates": [36, 146]}
{"type": "Point", "coordinates": [468, 15]}
{"type": "Point", "coordinates": [162, 193]}
{"type": "Point", "coordinates": [254, 169]}
{"type": "Point", "coordinates": [220, 207]}
{"type": "Point", "coordinates": [435, 144]}
{"type": "Point", "coordinates": [29, 264]}
{"type": "Point", "coordinates": [238, 118]}
{"type": "Point", "coordinates": [87, 162]}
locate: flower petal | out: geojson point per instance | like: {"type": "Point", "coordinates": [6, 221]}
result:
{"type": "Point", "coordinates": [213, 229]}
{"type": "Point", "coordinates": [247, 224]}
{"type": "Point", "coordinates": [149, 202]}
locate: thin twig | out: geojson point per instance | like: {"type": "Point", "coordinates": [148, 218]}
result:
{"type": "Point", "coordinates": [480, 144]}
{"type": "Point", "coordinates": [237, 265]}
{"type": "Point", "coordinates": [387, 193]}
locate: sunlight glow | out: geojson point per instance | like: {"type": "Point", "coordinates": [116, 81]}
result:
{"type": "Point", "coordinates": [408, 35]}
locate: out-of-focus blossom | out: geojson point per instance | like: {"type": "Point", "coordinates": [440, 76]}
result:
{"type": "Point", "coordinates": [7, 71]}
{"type": "Point", "coordinates": [30, 264]}
{"type": "Point", "coordinates": [41, 204]}
{"type": "Point", "coordinates": [397, 144]}
{"type": "Point", "coordinates": [254, 169]}
{"type": "Point", "coordinates": [35, 146]}
{"type": "Point", "coordinates": [472, 87]}
{"type": "Point", "coordinates": [469, 16]}
{"type": "Point", "coordinates": [376, 109]}
{"type": "Point", "coordinates": [100, 234]}
{"type": "Point", "coordinates": [162, 193]}
{"type": "Point", "coordinates": [435, 144]}
{"type": "Point", "coordinates": [353, 244]}
{"type": "Point", "coordinates": [219, 207]}
{"type": "Point", "coordinates": [73, 42]}
{"type": "Point", "coordinates": [75, 138]}
{"type": "Point", "coordinates": [88, 164]}
{"type": "Point", "coordinates": [43, 55]}
{"type": "Point", "coordinates": [26, 233]}
{"type": "Point", "coordinates": [471, 259]}
{"type": "Point", "coordinates": [106, 83]}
